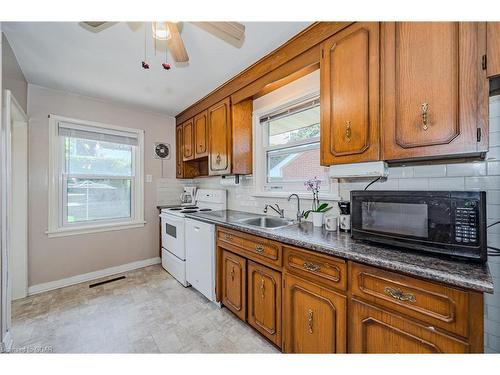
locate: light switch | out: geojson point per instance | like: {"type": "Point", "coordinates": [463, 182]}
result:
{"type": "Point", "coordinates": [149, 178]}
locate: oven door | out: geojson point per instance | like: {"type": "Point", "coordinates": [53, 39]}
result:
{"type": "Point", "coordinates": [411, 217]}
{"type": "Point", "coordinates": [172, 235]}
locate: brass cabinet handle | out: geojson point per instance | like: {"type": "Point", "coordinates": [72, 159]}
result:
{"type": "Point", "coordinates": [311, 267]}
{"type": "Point", "coordinates": [425, 116]}
{"type": "Point", "coordinates": [218, 159]}
{"type": "Point", "coordinates": [262, 287]}
{"type": "Point", "coordinates": [259, 249]}
{"type": "Point", "coordinates": [348, 131]}
{"type": "Point", "coordinates": [310, 316]}
{"type": "Point", "coordinates": [232, 274]}
{"type": "Point", "coordinates": [228, 236]}
{"type": "Point", "coordinates": [399, 294]}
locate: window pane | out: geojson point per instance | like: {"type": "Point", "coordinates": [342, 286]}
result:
{"type": "Point", "coordinates": [98, 199]}
{"type": "Point", "coordinates": [86, 156]}
{"type": "Point", "coordinates": [295, 164]}
{"type": "Point", "coordinates": [299, 126]}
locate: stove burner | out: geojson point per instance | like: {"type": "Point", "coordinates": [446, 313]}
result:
{"type": "Point", "coordinates": [205, 209]}
{"type": "Point", "coordinates": [188, 211]}
{"type": "Point", "coordinates": [189, 207]}
{"type": "Point", "coordinates": [175, 209]}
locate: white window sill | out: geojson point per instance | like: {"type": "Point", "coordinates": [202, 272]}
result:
{"type": "Point", "coordinates": [302, 195]}
{"type": "Point", "coordinates": [63, 232]}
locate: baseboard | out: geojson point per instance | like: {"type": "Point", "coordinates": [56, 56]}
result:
{"type": "Point", "coordinates": [51, 285]}
{"type": "Point", "coordinates": [6, 343]}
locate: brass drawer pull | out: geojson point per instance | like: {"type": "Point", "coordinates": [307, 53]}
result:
{"type": "Point", "coordinates": [310, 316]}
{"type": "Point", "coordinates": [262, 288]}
{"type": "Point", "coordinates": [218, 159]}
{"type": "Point", "coordinates": [259, 249]}
{"type": "Point", "coordinates": [228, 237]}
{"type": "Point", "coordinates": [232, 274]}
{"type": "Point", "coordinates": [311, 267]}
{"type": "Point", "coordinates": [348, 131]}
{"type": "Point", "coordinates": [425, 116]}
{"type": "Point", "coordinates": [399, 294]}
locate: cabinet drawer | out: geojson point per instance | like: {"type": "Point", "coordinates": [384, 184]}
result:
{"type": "Point", "coordinates": [253, 247]}
{"type": "Point", "coordinates": [437, 305]}
{"type": "Point", "coordinates": [323, 269]}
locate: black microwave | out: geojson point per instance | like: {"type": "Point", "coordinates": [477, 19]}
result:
{"type": "Point", "coordinates": [450, 223]}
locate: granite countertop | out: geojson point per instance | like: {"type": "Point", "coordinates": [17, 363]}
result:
{"type": "Point", "coordinates": [462, 274]}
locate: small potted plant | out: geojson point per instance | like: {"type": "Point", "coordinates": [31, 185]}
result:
{"type": "Point", "coordinates": [318, 210]}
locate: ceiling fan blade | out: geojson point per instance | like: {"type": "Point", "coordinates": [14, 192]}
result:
{"type": "Point", "coordinates": [233, 29]}
{"type": "Point", "coordinates": [96, 26]}
{"type": "Point", "coordinates": [175, 44]}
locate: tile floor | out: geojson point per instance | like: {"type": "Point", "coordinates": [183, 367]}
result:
{"type": "Point", "coordinates": [148, 312]}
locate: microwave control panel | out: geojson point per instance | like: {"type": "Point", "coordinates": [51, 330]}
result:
{"type": "Point", "coordinates": [466, 222]}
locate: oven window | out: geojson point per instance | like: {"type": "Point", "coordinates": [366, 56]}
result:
{"type": "Point", "coordinates": [396, 218]}
{"type": "Point", "coordinates": [171, 230]}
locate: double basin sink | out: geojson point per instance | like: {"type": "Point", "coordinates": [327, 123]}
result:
{"type": "Point", "coordinates": [267, 222]}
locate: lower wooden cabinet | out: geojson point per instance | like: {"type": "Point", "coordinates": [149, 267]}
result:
{"type": "Point", "coordinates": [314, 318]}
{"type": "Point", "coordinates": [374, 330]}
{"type": "Point", "coordinates": [264, 301]}
{"type": "Point", "coordinates": [234, 283]}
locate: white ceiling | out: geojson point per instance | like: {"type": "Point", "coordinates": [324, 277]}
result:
{"type": "Point", "coordinates": [107, 65]}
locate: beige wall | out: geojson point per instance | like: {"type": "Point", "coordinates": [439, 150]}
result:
{"type": "Point", "coordinates": [12, 75]}
{"type": "Point", "coordinates": [58, 258]}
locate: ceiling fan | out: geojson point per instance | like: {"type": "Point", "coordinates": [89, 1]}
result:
{"type": "Point", "coordinates": [231, 32]}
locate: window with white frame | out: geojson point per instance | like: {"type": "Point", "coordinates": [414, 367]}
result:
{"type": "Point", "coordinates": [96, 176]}
{"type": "Point", "coordinates": [290, 146]}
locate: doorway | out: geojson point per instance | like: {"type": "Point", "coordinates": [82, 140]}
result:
{"type": "Point", "coordinates": [14, 206]}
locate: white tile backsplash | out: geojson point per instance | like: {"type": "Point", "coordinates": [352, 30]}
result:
{"type": "Point", "coordinates": [438, 170]}
{"type": "Point", "coordinates": [467, 169]}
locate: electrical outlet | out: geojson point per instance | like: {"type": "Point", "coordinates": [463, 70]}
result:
{"type": "Point", "coordinates": [149, 178]}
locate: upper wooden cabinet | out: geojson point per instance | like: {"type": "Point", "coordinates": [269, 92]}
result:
{"type": "Point", "coordinates": [187, 140]}
{"type": "Point", "coordinates": [200, 135]}
{"type": "Point", "coordinates": [314, 318]}
{"type": "Point", "coordinates": [493, 49]}
{"type": "Point", "coordinates": [349, 69]}
{"type": "Point", "coordinates": [179, 170]}
{"type": "Point", "coordinates": [433, 90]}
{"type": "Point", "coordinates": [219, 135]}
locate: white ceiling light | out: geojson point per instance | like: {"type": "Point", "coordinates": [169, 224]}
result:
{"type": "Point", "coordinates": [161, 31]}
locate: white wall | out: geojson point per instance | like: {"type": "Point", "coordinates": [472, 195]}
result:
{"type": "Point", "coordinates": [12, 75]}
{"type": "Point", "coordinates": [57, 258]}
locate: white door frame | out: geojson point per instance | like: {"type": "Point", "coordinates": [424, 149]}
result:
{"type": "Point", "coordinates": [11, 110]}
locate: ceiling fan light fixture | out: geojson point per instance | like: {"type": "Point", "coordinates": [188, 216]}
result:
{"type": "Point", "coordinates": [161, 31]}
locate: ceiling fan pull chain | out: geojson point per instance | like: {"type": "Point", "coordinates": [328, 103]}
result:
{"type": "Point", "coordinates": [144, 64]}
{"type": "Point", "coordinates": [166, 65]}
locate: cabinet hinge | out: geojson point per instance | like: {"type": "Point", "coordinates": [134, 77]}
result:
{"type": "Point", "coordinates": [483, 62]}
{"type": "Point", "coordinates": [478, 134]}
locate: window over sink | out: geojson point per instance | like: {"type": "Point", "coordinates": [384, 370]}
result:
{"type": "Point", "coordinates": [286, 141]}
{"type": "Point", "coordinates": [95, 177]}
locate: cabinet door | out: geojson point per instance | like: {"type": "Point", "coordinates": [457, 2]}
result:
{"type": "Point", "coordinates": [433, 89]}
{"type": "Point", "coordinates": [349, 69]}
{"type": "Point", "coordinates": [264, 301]}
{"type": "Point", "coordinates": [314, 318]}
{"type": "Point", "coordinates": [219, 135]}
{"type": "Point", "coordinates": [188, 140]}
{"type": "Point", "coordinates": [373, 330]}
{"type": "Point", "coordinates": [493, 49]}
{"type": "Point", "coordinates": [178, 153]}
{"type": "Point", "coordinates": [234, 283]}
{"type": "Point", "coordinates": [200, 135]}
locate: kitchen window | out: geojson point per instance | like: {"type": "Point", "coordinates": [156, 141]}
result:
{"type": "Point", "coordinates": [96, 177]}
{"type": "Point", "coordinates": [289, 147]}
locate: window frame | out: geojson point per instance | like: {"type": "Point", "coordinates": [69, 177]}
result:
{"type": "Point", "coordinates": [57, 221]}
{"type": "Point", "coordinates": [263, 188]}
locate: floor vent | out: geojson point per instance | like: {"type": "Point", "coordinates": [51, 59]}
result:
{"type": "Point", "coordinates": [106, 281]}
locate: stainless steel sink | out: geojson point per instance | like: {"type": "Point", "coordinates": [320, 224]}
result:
{"type": "Point", "coordinates": [267, 222]}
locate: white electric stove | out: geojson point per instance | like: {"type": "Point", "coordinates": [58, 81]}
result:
{"type": "Point", "coordinates": [173, 228]}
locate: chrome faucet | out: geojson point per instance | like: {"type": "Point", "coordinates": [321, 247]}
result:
{"type": "Point", "coordinates": [277, 209]}
{"type": "Point", "coordinates": [300, 214]}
